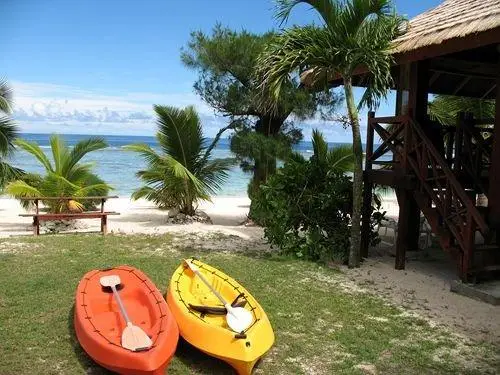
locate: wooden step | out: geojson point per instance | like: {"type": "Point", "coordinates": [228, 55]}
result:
{"type": "Point", "coordinates": [487, 248]}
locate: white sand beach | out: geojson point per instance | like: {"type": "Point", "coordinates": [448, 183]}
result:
{"type": "Point", "coordinates": [141, 216]}
{"type": "Point", "coordinates": [227, 213]}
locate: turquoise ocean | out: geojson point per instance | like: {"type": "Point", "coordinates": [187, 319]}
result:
{"type": "Point", "coordinates": [118, 167]}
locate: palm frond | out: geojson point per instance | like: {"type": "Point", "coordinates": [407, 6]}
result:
{"type": "Point", "coordinates": [81, 149]}
{"type": "Point", "coordinates": [341, 159]}
{"type": "Point", "coordinates": [179, 133]}
{"type": "Point", "coordinates": [59, 151]}
{"type": "Point", "coordinates": [8, 132]}
{"type": "Point", "coordinates": [8, 173]}
{"type": "Point", "coordinates": [34, 149]}
{"type": "Point", "coordinates": [445, 108]}
{"type": "Point", "coordinates": [150, 155]}
{"type": "Point", "coordinates": [20, 188]}
{"type": "Point", "coordinates": [320, 147]}
{"type": "Point", "coordinates": [5, 97]}
{"type": "Point", "coordinates": [326, 8]}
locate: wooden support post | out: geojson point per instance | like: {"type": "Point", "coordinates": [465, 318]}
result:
{"type": "Point", "coordinates": [494, 174]}
{"type": "Point", "coordinates": [36, 221]}
{"type": "Point", "coordinates": [104, 224]}
{"type": "Point", "coordinates": [36, 226]}
{"type": "Point", "coordinates": [367, 190]}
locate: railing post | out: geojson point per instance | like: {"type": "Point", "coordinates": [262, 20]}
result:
{"type": "Point", "coordinates": [368, 188]}
{"type": "Point", "coordinates": [459, 142]}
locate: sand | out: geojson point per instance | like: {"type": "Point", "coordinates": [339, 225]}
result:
{"type": "Point", "coordinates": [227, 214]}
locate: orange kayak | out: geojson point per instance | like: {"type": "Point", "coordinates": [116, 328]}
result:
{"type": "Point", "coordinates": [99, 323]}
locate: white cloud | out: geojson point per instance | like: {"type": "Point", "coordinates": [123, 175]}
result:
{"type": "Point", "coordinates": [42, 107]}
{"type": "Point", "coordinates": [46, 108]}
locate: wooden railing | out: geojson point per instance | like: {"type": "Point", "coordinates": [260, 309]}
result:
{"type": "Point", "coordinates": [437, 190]}
{"type": "Point", "coordinates": [473, 150]}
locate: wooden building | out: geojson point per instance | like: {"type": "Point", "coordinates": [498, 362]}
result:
{"type": "Point", "coordinates": [453, 49]}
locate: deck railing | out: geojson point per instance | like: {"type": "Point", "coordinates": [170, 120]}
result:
{"type": "Point", "coordinates": [437, 190]}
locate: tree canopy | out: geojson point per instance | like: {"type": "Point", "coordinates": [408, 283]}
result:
{"type": "Point", "coordinates": [355, 33]}
{"type": "Point", "coordinates": [229, 81]}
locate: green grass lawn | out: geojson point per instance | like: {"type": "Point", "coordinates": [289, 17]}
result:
{"type": "Point", "coordinates": [322, 324]}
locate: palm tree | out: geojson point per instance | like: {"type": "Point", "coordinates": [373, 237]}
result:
{"type": "Point", "coordinates": [8, 132]}
{"type": "Point", "coordinates": [356, 34]}
{"type": "Point", "coordinates": [183, 173]}
{"type": "Point", "coordinates": [65, 176]}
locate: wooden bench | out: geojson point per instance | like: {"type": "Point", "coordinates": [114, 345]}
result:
{"type": "Point", "coordinates": [39, 217]}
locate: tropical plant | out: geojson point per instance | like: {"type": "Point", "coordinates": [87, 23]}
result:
{"type": "Point", "coordinates": [445, 108]}
{"type": "Point", "coordinates": [227, 65]}
{"type": "Point", "coordinates": [183, 173]}
{"type": "Point", "coordinates": [356, 34]}
{"type": "Point", "coordinates": [8, 132]}
{"type": "Point", "coordinates": [305, 207]}
{"type": "Point", "coordinates": [65, 175]}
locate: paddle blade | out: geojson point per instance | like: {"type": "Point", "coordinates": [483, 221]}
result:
{"type": "Point", "coordinates": [238, 319]}
{"type": "Point", "coordinates": [110, 280]}
{"type": "Point", "coordinates": [135, 339]}
{"type": "Point", "coordinates": [193, 267]}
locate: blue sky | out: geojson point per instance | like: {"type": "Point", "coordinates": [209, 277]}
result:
{"type": "Point", "coordinates": [96, 67]}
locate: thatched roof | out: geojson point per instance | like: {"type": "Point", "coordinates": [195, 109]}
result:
{"type": "Point", "coordinates": [450, 19]}
{"type": "Point", "coordinates": [451, 23]}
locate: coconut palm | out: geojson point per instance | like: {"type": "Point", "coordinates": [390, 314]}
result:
{"type": "Point", "coordinates": [65, 175]}
{"type": "Point", "coordinates": [8, 132]}
{"type": "Point", "coordinates": [356, 34]}
{"type": "Point", "coordinates": [183, 173]}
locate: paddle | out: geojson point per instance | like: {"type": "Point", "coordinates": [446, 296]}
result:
{"type": "Point", "coordinates": [237, 318]}
{"type": "Point", "coordinates": [133, 337]}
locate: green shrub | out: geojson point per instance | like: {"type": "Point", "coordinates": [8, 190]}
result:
{"type": "Point", "coordinates": [306, 206]}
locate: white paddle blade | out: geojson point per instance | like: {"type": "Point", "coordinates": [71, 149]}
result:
{"type": "Point", "coordinates": [193, 267]}
{"type": "Point", "coordinates": [110, 280]}
{"type": "Point", "coordinates": [238, 319]}
{"type": "Point", "coordinates": [135, 339]}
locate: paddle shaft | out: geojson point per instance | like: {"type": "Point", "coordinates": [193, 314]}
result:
{"type": "Point", "coordinates": [211, 288]}
{"type": "Point", "coordinates": [120, 304]}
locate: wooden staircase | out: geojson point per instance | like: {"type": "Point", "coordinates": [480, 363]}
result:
{"type": "Point", "coordinates": [450, 208]}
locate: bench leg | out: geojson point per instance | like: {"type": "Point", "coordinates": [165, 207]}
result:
{"type": "Point", "coordinates": [104, 225]}
{"type": "Point", "coordinates": [36, 226]}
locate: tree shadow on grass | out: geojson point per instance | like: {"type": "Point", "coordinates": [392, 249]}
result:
{"type": "Point", "coordinates": [87, 364]}
{"type": "Point", "coordinates": [200, 362]}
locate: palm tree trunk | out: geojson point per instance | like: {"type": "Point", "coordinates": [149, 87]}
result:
{"type": "Point", "coordinates": [357, 186]}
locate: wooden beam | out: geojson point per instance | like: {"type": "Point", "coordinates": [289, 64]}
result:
{"type": "Point", "coordinates": [461, 85]}
{"type": "Point", "coordinates": [471, 41]}
{"type": "Point", "coordinates": [489, 91]}
{"type": "Point", "coordinates": [474, 68]}
{"type": "Point", "coordinates": [434, 78]}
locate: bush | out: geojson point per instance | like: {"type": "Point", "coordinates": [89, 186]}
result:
{"type": "Point", "coordinates": [306, 206]}
{"type": "Point", "coordinates": [305, 212]}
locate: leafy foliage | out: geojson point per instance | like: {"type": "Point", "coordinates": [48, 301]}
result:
{"type": "Point", "coordinates": [305, 207]}
{"type": "Point", "coordinates": [65, 175]}
{"type": "Point", "coordinates": [8, 132]}
{"type": "Point", "coordinates": [355, 34]}
{"type": "Point", "coordinates": [445, 108]}
{"type": "Point", "coordinates": [183, 173]}
{"type": "Point", "coordinates": [227, 63]}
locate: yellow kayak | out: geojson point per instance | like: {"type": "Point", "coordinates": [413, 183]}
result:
{"type": "Point", "coordinates": [202, 318]}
